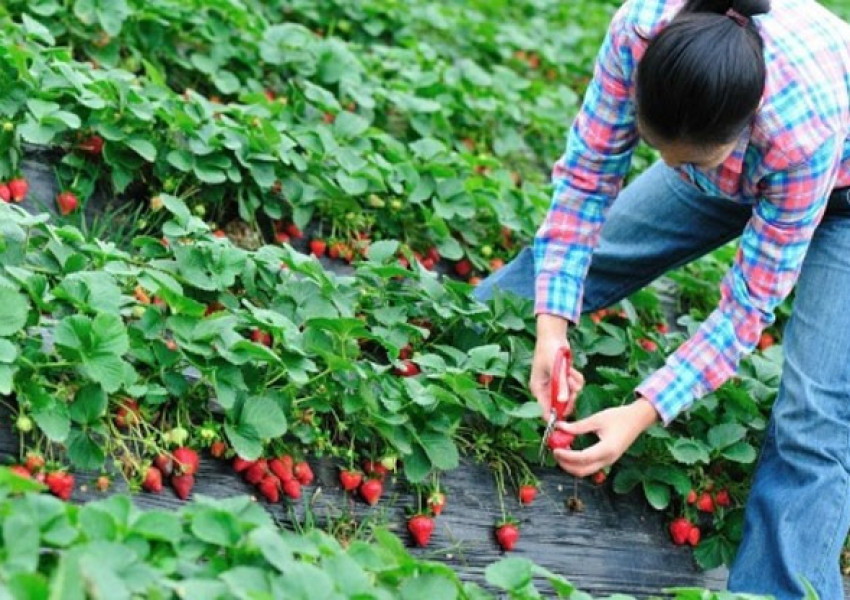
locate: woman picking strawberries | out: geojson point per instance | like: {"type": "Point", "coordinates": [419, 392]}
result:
{"type": "Point", "coordinates": [749, 109]}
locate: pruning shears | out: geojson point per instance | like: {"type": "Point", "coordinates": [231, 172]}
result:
{"type": "Point", "coordinates": [557, 409]}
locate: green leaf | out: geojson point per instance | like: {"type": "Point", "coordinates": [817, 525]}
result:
{"type": "Point", "coordinates": [657, 494]}
{"type": "Point", "coordinates": [349, 125]}
{"type": "Point", "coordinates": [98, 344]}
{"type": "Point", "coordinates": [382, 251]}
{"type": "Point", "coordinates": [510, 574]}
{"type": "Point", "coordinates": [428, 586]}
{"type": "Point", "coordinates": [89, 405]}
{"type": "Point", "coordinates": [441, 450]}
{"type": "Point", "coordinates": [244, 440]}
{"type": "Point", "coordinates": [742, 452]}
{"type": "Point", "coordinates": [15, 484]}
{"type": "Point", "coordinates": [84, 452]}
{"type": "Point", "coordinates": [689, 451]}
{"type": "Point", "coordinates": [265, 416]}
{"type": "Point", "coordinates": [726, 434]}
{"type": "Point", "coordinates": [21, 533]}
{"type": "Point", "coordinates": [143, 148]}
{"type": "Point", "coordinates": [416, 465]}
{"type": "Point", "coordinates": [16, 308]}
{"type": "Point", "coordinates": [8, 352]}
{"type": "Point", "coordinates": [217, 527]}
{"type": "Point", "coordinates": [157, 525]}
{"type": "Point", "coordinates": [626, 479]}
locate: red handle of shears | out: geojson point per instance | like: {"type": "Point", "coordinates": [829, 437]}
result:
{"type": "Point", "coordinates": [563, 363]}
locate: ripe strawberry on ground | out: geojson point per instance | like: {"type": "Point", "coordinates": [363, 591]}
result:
{"type": "Point", "coordinates": [437, 502]}
{"type": "Point", "coordinates": [60, 483]}
{"type": "Point", "coordinates": [527, 493]}
{"type": "Point", "coordinates": [374, 468]}
{"type": "Point", "coordinates": [371, 490]}
{"type": "Point", "coordinates": [705, 503]}
{"type": "Point", "coordinates": [474, 280]}
{"type": "Point", "coordinates": [303, 473]}
{"type": "Point", "coordinates": [186, 460]}
{"type": "Point", "coordinates": [34, 462]}
{"type": "Point", "coordinates": [294, 232]}
{"type": "Point", "coordinates": [92, 145]}
{"type": "Point", "coordinates": [153, 480]}
{"type": "Point", "coordinates": [240, 465]}
{"type": "Point", "coordinates": [406, 352]}
{"type": "Point", "coordinates": [18, 187]}
{"type": "Point", "coordinates": [722, 498]}
{"type": "Point", "coordinates": [182, 485]}
{"type": "Point", "coordinates": [164, 463]}
{"type": "Point", "coordinates": [21, 470]}
{"type": "Point", "coordinates": [463, 267]}
{"type": "Point", "coordinates": [292, 488]}
{"type": "Point", "coordinates": [766, 341]}
{"type": "Point", "coordinates": [407, 369]}
{"type": "Point", "coordinates": [282, 468]}
{"type": "Point", "coordinates": [67, 202]}
{"type": "Point", "coordinates": [318, 247]}
{"type": "Point", "coordinates": [281, 238]}
{"type": "Point", "coordinates": [694, 536]}
{"type": "Point", "coordinates": [679, 530]}
{"type": "Point", "coordinates": [599, 477]}
{"type": "Point", "coordinates": [421, 527]}
{"type": "Point", "coordinates": [648, 345]}
{"type": "Point", "coordinates": [350, 479]}
{"type": "Point", "coordinates": [5, 192]}
{"type": "Point", "coordinates": [496, 264]}
{"type": "Point", "coordinates": [560, 440]}
{"type": "Point", "coordinates": [270, 488]}
{"type": "Point", "coordinates": [507, 534]}
{"type": "Point", "coordinates": [256, 472]}
{"type": "Point", "coordinates": [692, 497]}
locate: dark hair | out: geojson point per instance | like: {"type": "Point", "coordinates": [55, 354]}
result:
{"type": "Point", "coordinates": [702, 78]}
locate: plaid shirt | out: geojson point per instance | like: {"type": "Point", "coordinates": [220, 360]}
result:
{"type": "Point", "coordinates": [795, 152]}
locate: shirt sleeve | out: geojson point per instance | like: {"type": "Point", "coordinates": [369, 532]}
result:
{"type": "Point", "coordinates": [766, 267]}
{"type": "Point", "coordinates": [588, 176]}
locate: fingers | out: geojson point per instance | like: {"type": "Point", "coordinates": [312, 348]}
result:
{"type": "Point", "coordinates": [582, 463]}
{"type": "Point", "coordinates": [588, 425]}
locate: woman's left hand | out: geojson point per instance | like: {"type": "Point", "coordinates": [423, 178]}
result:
{"type": "Point", "coordinates": [617, 429]}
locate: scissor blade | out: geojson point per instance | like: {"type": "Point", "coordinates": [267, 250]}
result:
{"type": "Point", "coordinates": [550, 426]}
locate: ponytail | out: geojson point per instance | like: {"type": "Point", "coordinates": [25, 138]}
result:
{"type": "Point", "coordinates": [701, 79]}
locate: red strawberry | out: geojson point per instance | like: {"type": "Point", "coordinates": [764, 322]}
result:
{"type": "Point", "coordinates": [349, 479]}
{"type": "Point", "coordinates": [182, 485]}
{"type": "Point", "coordinates": [153, 480]}
{"type": "Point", "coordinates": [217, 449]}
{"type": "Point", "coordinates": [102, 483]}
{"type": "Point", "coordinates": [374, 468]}
{"type": "Point", "coordinates": [67, 202]}
{"type": "Point", "coordinates": [496, 263]}
{"type": "Point", "coordinates": [270, 488]}
{"type": "Point", "coordinates": [705, 503]}
{"type": "Point", "coordinates": [722, 498]}
{"type": "Point", "coordinates": [408, 369]}
{"type": "Point", "coordinates": [679, 530]}
{"type": "Point", "coordinates": [261, 337]}
{"type": "Point", "coordinates": [5, 192]}
{"type": "Point", "coordinates": [463, 267]}
{"type": "Point", "coordinates": [766, 341]}
{"type": "Point", "coordinates": [60, 483]}
{"type": "Point", "coordinates": [694, 536]}
{"type": "Point", "coordinates": [428, 263]}
{"type": "Point", "coordinates": [692, 496]}
{"type": "Point", "coordinates": [281, 238]}
{"type": "Point", "coordinates": [293, 230]}
{"type": "Point", "coordinates": [318, 247]}
{"type": "Point", "coordinates": [34, 462]}
{"type": "Point", "coordinates": [405, 352]}
{"type": "Point", "coordinates": [282, 471]}
{"type": "Point", "coordinates": [292, 488]}
{"type": "Point", "coordinates": [434, 254]}
{"type": "Point", "coordinates": [92, 145]}
{"type": "Point", "coordinates": [599, 477]}
{"type": "Point", "coordinates": [21, 470]}
{"type": "Point", "coordinates": [240, 465]}
{"type": "Point", "coordinates": [485, 379]}
{"type": "Point", "coordinates": [371, 490]}
{"type": "Point", "coordinates": [437, 502]}
{"type": "Point", "coordinates": [127, 414]}
{"type": "Point", "coordinates": [648, 345]}
{"type": "Point", "coordinates": [164, 463]}
{"type": "Point", "coordinates": [507, 534]}
{"type": "Point", "coordinates": [186, 460]}
{"type": "Point", "coordinates": [527, 493]}
{"type": "Point", "coordinates": [18, 187]}
{"type": "Point", "coordinates": [421, 527]}
{"type": "Point", "coordinates": [560, 440]}
{"type": "Point", "coordinates": [303, 473]}
{"type": "Point", "coordinates": [662, 328]}
{"type": "Point", "coordinates": [255, 474]}
{"type": "Point", "coordinates": [474, 280]}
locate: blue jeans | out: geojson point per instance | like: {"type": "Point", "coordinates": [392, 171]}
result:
{"type": "Point", "coordinates": [798, 512]}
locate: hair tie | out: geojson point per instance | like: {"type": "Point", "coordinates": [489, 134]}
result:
{"type": "Point", "coordinates": [740, 19]}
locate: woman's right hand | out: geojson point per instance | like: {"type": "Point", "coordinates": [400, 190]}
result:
{"type": "Point", "coordinates": [551, 336]}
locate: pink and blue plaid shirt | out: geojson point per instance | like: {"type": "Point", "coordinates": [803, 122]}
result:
{"type": "Point", "coordinates": [796, 151]}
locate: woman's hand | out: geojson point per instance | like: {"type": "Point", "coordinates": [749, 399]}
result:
{"type": "Point", "coordinates": [617, 429]}
{"type": "Point", "coordinates": [551, 336]}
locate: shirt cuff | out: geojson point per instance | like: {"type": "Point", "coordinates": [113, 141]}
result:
{"type": "Point", "coordinates": [558, 295]}
{"type": "Point", "coordinates": [671, 389]}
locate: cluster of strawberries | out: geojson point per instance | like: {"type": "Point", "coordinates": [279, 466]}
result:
{"type": "Point", "coordinates": [683, 530]}
{"type": "Point", "coordinates": [59, 482]}
{"type": "Point", "coordinates": [276, 475]}
{"type": "Point", "coordinates": [179, 467]}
